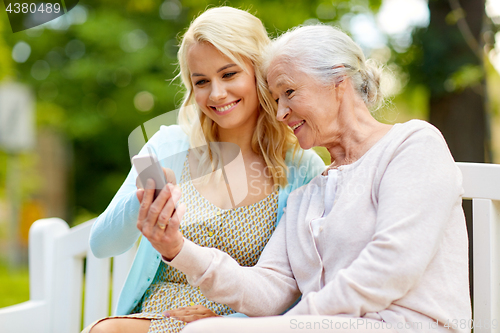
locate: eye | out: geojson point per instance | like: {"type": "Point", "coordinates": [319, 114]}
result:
{"type": "Point", "coordinates": [228, 75]}
{"type": "Point", "coordinates": [289, 92]}
{"type": "Point", "coordinates": [200, 83]}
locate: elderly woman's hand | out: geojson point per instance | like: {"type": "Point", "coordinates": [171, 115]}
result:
{"type": "Point", "coordinates": [190, 313]}
{"type": "Point", "coordinates": [159, 220]}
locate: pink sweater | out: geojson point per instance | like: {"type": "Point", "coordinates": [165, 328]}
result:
{"type": "Point", "coordinates": [394, 247]}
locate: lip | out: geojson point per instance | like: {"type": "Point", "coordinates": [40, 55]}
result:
{"type": "Point", "coordinates": [214, 107]}
{"type": "Point", "coordinates": [295, 123]}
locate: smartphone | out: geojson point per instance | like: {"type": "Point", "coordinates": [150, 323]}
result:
{"type": "Point", "coordinates": [147, 166]}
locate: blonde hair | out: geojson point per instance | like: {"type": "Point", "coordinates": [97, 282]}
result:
{"type": "Point", "coordinates": [240, 36]}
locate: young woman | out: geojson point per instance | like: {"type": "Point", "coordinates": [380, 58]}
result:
{"type": "Point", "coordinates": [227, 116]}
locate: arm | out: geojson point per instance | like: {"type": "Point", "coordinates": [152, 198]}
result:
{"type": "Point", "coordinates": [416, 195]}
{"type": "Point", "coordinates": [269, 288]}
{"type": "Point", "coordinates": [265, 289]}
{"type": "Point", "coordinates": [115, 231]}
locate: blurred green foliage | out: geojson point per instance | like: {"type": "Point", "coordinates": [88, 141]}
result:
{"type": "Point", "coordinates": [14, 285]}
{"type": "Point", "coordinates": [6, 62]}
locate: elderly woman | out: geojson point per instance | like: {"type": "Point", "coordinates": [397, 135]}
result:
{"type": "Point", "coordinates": [377, 243]}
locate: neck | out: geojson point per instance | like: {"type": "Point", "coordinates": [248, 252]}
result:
{"type": "Point", "coordinates": [240, 136]}
{"type": "Point", "coordinates": [357, 132]}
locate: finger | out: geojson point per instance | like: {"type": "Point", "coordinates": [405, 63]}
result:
{"type": "Point", "coordinates": [146, 201]}
{"type": "Point", "coordinates": [138, 183]}
{"type": "Point", "coordinates": [158, 206]}
{"type": "Point", "coordinates": [169, 175]}
{"type": "Point", "coordinates": [146, 206]}
{"type": "Point", "coordinates": [194, 317]}
{"type": "Point", "coordinates": [175, 221]}
{"type": "Point", "coordinates": [168, 210]}
{"type": "Point", "coordinates": [178, 213]}
{"type": "Point", "coordinates": [176, 193]}
{"type": "Point", "coordinates": [140, 194]}
{"type": "Point", "coordinates": [190, 313]}
{"type": "Point", "coordinates": [175, 313]}
{"type": "Point", "coordinates": [182, 310]}
{"type": "Point", "coordinates": [149, 190]}
{"type": "Point", "coordinates": [187, 319]}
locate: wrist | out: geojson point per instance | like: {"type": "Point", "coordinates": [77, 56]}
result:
{"type": "Point", "coordinates": [168, 257]}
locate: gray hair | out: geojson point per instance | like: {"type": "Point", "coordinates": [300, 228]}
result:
{"type": "Point", "coordinates": [326, 53]}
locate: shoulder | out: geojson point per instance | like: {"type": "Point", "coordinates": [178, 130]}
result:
{"type": "Point", "coordinates": [420, 148]}
{"type": "Point", "coordinates": [303, 165]}
{"type": "Point", "coordinates": [415, 139]}
{"type": "Point", "coordinates": [170, 137]}
{"type": "Point", "coordinates": [424, 136]}
{"type": "Point", "coordinates": [303, 158]}
{"type": "Point", "coordinates": [171, 133]}
{"type": "Point", "coordinates": [306, 191]}
{"type": "Point", "coordinates": [418, 129]}
{"type": "Point", "coordinates": [170, 144]}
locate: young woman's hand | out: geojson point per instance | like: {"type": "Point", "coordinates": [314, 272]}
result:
{"type": "Point", "coordinates": [159, 220]}
{"type": "Point", "coordinates": [190, 313]}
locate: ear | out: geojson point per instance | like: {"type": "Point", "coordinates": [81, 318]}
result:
{"type": "Point", "coordinates": [341, 86]}
{"type": "Point", "coordinates": [340, 79]}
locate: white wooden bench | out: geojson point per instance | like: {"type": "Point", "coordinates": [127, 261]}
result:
{"type": "Point", "coordinates": [481, 183]}
{"type": "Point", "coordinates": [58, 285]}
{"type": "Point", "coordinates": [58, 288]}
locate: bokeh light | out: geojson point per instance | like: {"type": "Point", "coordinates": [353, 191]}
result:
{"type": "Point", "coordinates": [40, 70]}
{"type": "Point", "coordinates": [144, 101]}
{"type": "Point", "coordinates": [134, 41]}
{"type": "Point", "coordinates": [75, 49]}
{"type": "Point", "coordinates": [170, 10]}
{"type": "Point", "coordinates": [21, 52]}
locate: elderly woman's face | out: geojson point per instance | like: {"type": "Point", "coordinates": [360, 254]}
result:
{"type": "Point", "coordinates": [308, 107]}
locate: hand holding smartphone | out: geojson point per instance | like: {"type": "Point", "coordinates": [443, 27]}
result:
{"type": "Point", "coordinates": [147, 166]}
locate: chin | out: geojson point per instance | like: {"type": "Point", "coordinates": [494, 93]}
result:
{"type": "Point", "coordinates": [305, 145]}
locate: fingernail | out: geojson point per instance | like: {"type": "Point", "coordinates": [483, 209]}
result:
{"type": "Point", "coordinates": [170, 187]}
{"type": "Point", "coordinates": [166, 314]}
{"type": "Point", "coordinates": [150, 183]}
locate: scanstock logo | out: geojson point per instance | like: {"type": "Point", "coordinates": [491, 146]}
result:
{"type": "Point", "coordinates": [28, 14]}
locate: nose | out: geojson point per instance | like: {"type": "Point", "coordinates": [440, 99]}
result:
{"type": "Point", "coordinates": [283, 111]}
{"type": "Point", "coordinates": [218, 91]}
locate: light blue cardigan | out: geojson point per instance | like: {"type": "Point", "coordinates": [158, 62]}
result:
{"type": "Point", "coordinates": [114, 231]}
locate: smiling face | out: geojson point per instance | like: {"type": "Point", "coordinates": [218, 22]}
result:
{"type": "Point", "coordinates": [225, 92]}
{"type": "Point", "coordinates": [306, 106]}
